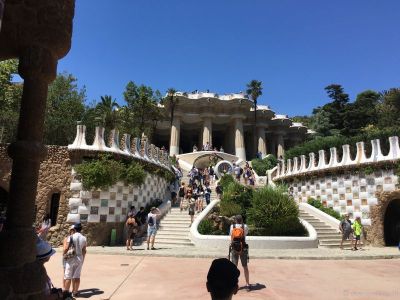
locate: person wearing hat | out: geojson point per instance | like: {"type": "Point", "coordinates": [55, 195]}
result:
{"type": "Point", "coordinates": [73, 264]}
{"type": "Point", "coordinates": [152, 226]}
{"type": "Point", "coordinates": [222, 279]}
{"type": "Point", "coordinates": [43, 253]}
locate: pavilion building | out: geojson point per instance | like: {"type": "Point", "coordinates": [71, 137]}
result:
{"type": "Point", "coordinates": [227, 122]}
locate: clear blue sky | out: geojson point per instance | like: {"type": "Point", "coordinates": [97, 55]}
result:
{"type": "Point", "coordinates": [295, 48]}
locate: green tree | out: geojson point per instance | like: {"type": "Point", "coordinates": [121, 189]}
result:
{"type": "Point", "coordinates": [172, 102]}
{"type": "Point", "coordinates": [65, 106]}
{"type": "Point", "coordinates": [389, 108]}
{"type": "Point", "coordinates": [107, 110]}
{"type": "Point", "coordinates": [321, 122]}
{"type": "Point", "coordinates": [336, 108]}
{"type": "Point", "coordinates": [141, 102]}
{"type": "Point", "coordinates": [10, 99]}
{"type": "Point", "coordinates": [254, 90]}
{"type": "Point", "coordinates": [361, 113]}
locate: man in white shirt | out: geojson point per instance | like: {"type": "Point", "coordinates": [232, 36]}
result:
{"type": "Point", "coordinates": [73, 265]}
{"type": "Point", "coordinates": [152, 227]}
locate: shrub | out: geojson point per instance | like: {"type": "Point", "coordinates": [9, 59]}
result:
{"type": "Point", "coordinates": [239, 199]}
{"type": "Point", "coordinates": [261, 166]}
{"type": "Point", "coordinates": [230, 209]}
{"type": "Point", "coordinates": [274, 213]}
{"type": "Point", "coordinates": [134, 174]}
{"type": "Point", "coordinates": [99, 173]}
{"type": "Point", "coordinates": [206, 227]}
{"type": "Point", "coordinates": [289, 226]}
{"type": "Point", "coordinates": [328, 210]}
{"type": "Point", "coordinates": [226, 180]}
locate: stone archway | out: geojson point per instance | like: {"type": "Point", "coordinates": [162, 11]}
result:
{"type": "Point", "coordinates": [391, 224]}
{"type": "Point", "coordinates": [375, 234]}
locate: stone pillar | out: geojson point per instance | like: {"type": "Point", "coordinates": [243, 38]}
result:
{"type": "Point", "coordinates": [175, 136]}
{"type": "Point", "coordinates": [207, 131]}
{"type": "Point", "coordinates": [240, 150]}
{"type": "Point", "coordinates": [281, 145]}
{"type": "Point", "coordinates": [37, 66]}
{"type": "Point", "coordinates": [262, 147]}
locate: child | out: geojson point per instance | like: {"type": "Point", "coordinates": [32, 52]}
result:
{"type": "Point", "coordinates": [357, 229]}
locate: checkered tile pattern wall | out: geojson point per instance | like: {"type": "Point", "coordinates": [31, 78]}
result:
{"type": "Point", "coordinates": [348, 193]}
{"type": "Point", "coordinates": [112, 205]}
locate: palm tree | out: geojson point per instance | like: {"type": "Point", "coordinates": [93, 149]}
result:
{"type": "Point", "coordinates": [106, 109]}
{"type": "Point", "coordinates": [173, 101]}
{"type": "Point", "coordinates": [254, 90]}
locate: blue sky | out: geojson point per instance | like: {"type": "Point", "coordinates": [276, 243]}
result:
{"type": "Point", "coordinates": [295, 48]}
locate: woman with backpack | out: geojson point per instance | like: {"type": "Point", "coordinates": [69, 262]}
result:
{"type": "Point", "coordinates": [131, 226]}
{"type": "Point", "coordinates": [192, 207]}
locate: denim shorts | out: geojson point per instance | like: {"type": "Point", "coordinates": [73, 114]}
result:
{"type": "Point", "coordinates": [151, 230]}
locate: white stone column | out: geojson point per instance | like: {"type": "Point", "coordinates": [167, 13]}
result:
{"type": "Point", "coordinates": [175, 137]}
{"type": "Point", "coordinates": [262, 147]}
{"type": "Point", "coordinates": [281, 145]}
{"type": "Point", "coordinates": [207, 131]}
{"type": "Point", "coordinates": [240, 150]}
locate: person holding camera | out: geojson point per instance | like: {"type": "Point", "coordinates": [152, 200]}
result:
{"type": "Point", "coordinates": [74, 255]}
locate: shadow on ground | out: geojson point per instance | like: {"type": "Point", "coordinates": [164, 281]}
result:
{"type": "Point", "coordinates": [87, 293]}
{"type": "Point", "coordinates": [254, 287]}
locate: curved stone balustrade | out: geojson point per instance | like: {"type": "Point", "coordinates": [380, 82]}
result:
{"type": "Point", "coordinates": [291, 167]}
{"type": "Point", "coordinates": [205, 95]}
{"type": "Point", "coordinates": [135, 148]}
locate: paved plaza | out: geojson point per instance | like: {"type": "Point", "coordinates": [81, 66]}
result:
{"type": "Point", "coordinates": [111, 273]}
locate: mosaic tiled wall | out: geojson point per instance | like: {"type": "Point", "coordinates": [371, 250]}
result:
{"type": "Point", "coordinates": [346, 193]}
{"type": "Point", "coordinates": [112, 205]}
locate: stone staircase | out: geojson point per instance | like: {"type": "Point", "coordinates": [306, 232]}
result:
{"type": "Point", "coordinates": [174, 229]}
{"type": "Point", "coordinates": [328, 236]}
{"type": "Point", "coordinates": [175, 226]}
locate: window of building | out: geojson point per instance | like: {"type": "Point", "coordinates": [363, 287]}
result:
{"type": "Point", "coordinates": [54, 205]}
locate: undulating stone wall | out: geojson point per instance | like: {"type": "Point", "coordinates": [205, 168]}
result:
{"type": "Point", "coordinates": [99, 211]}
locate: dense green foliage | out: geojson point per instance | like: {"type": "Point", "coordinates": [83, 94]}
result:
{"type": "Point", "coordinates": [267, 211]}
{"type": "Point", "coordinates": [324, 143]}
{"type": "Point", "coordinates": [206, 227]}
{"type": "Point", "coordinates": [272, 212]}
{"type": "Point", "coordinates": [261, 166]}
{"type": "Point", "coordinates": [100, 173]}
{"type": "Point", "coordinates": [226, 180]}
{"type": "Point", "coordinates": [369, 111]}
{"type": "Point", "coordinates": [328, 210]}
{"type": "Point", "coordinates": [236, 199]}
{"type": "Point", "coordinates": [105, 171]}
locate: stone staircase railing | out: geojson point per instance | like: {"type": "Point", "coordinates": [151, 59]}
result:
{"type": "Point", "coordinates": [138, 148]}
{"type": "Point", "coordinates": [295, 166]}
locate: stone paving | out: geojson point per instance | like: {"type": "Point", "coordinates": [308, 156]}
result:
{"type": "Point", "coordinates": [120, 277]}
{"type": "Point", "coordinates": [194, 252]}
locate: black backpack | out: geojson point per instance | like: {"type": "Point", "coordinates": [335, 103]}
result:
{"type": "Point", "coordinates": [241, 171]}
{"type": "Point", "coordinates": [150, 221]}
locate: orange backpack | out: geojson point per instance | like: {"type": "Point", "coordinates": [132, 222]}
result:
{"type": "Point", "coordinates": [237, 238]}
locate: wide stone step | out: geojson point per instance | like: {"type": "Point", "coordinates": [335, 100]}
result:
{"type": "Point", "coordinates": [175, 239]}
{"type": "Point", "coordinates": [332, 242]}
{"type": "Point", "coordinates": [174, 226]}
{"type": "Point", "coordinates": [172, 242]}
{"type": "Point", "coordinates": [187, 221]}
{"type": "Point", "coordinates": [326, 230]}
{"type": "Point", "coordinates": [173, 235]}
{"type": "Point", "coordinates": [328, 234]}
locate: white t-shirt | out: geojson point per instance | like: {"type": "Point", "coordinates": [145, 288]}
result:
{"type": "Point", "coordinates": [246, 229]}
{"type": "Point", "coordinates": [236, 170]}
{"type": "Point", "coordinates": [154, 216]}
{"type": "Point", "coordinates": [79, 243]}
